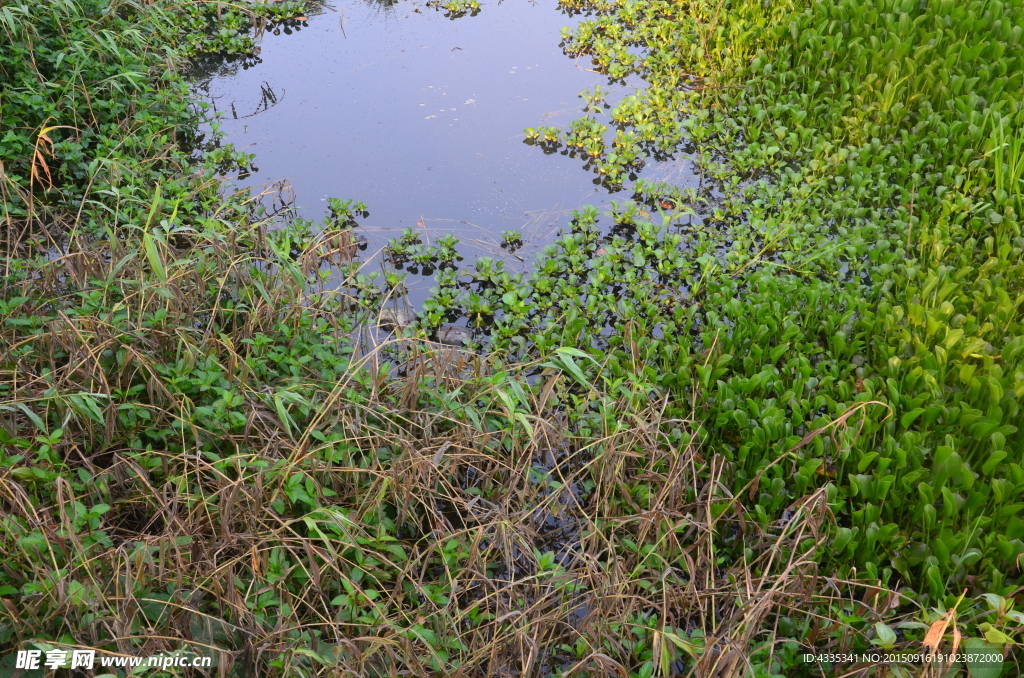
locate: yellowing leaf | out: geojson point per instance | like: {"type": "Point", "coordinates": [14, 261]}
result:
{"type": "Point", "coordinates": [933, 638]}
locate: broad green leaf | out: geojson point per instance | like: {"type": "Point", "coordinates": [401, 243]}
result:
{"type": "Point", "coordinates": [907, 419]}
{"type": "Point", "coordinates": [979, 658]}
{"type": "Point", "coordinates": [885, 637]}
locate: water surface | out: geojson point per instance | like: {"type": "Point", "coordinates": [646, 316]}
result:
{"type": "Point", "coordinates": [420, 117]}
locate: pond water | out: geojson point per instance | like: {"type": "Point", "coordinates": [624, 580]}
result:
{"type": "Point", "coordinates": [420, 117]}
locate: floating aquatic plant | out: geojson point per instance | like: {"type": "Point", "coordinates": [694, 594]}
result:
{"type": "Point", "coordinates": [456, 8]}
{"type": "Point", "coordinates": [344, 213]}
{"type": "Point", "coordinates": [511, 240]}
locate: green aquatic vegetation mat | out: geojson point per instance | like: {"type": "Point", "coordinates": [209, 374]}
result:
{"type": "Point", "coordinates": [863, 245]}
{"type": "Point", "coordinates": [851, 266]}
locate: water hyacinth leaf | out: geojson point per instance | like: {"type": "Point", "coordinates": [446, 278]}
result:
{"type": "Point", "coordinates": [844, 536]}
{"type": "Point", "coordinates": [910, 417]}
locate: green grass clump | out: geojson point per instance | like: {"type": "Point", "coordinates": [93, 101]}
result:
{"type": "Point", "coordinates": [714, 429]}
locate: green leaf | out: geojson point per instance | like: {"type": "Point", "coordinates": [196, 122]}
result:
{"type": "Point", "coordinates": [567, 350]}
{"type": "Point", "coordinates": [86, 404]}
{"type": "Point", "coordinates": [684, 644]}
{"type": "Point", "coordinates": [521, 418]}
{"type": "Point", "coordinates": [777, 352]}
{"type": "Point", "coordinates": [33, 417]}
{"type": "Point", "coordinates": [282, 414]}
{"type": "Point", "coordinates": [911, 416]}
{"type": "Point", "coordinates": [570, 366]}
{"type": "Point", "coordinates": [885, 637]}
{"type": "Point", "coordinates": [865, 461]}
{"type": "Point", "coordinates": [978, 651]}
{"type": "Point", "coordinates": [155, 260]}
{"type": "Point", "coordinates": [998, 638]}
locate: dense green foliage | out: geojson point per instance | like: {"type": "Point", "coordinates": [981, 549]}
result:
{"type": "Point", "coordinates": [864, 246]}
{"type": "Point", "coordinates": [858, 241]}
{"type": "Point", "coordinates": [83, 98]}
{"type": "Point", "coordinates": [771, 415]}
